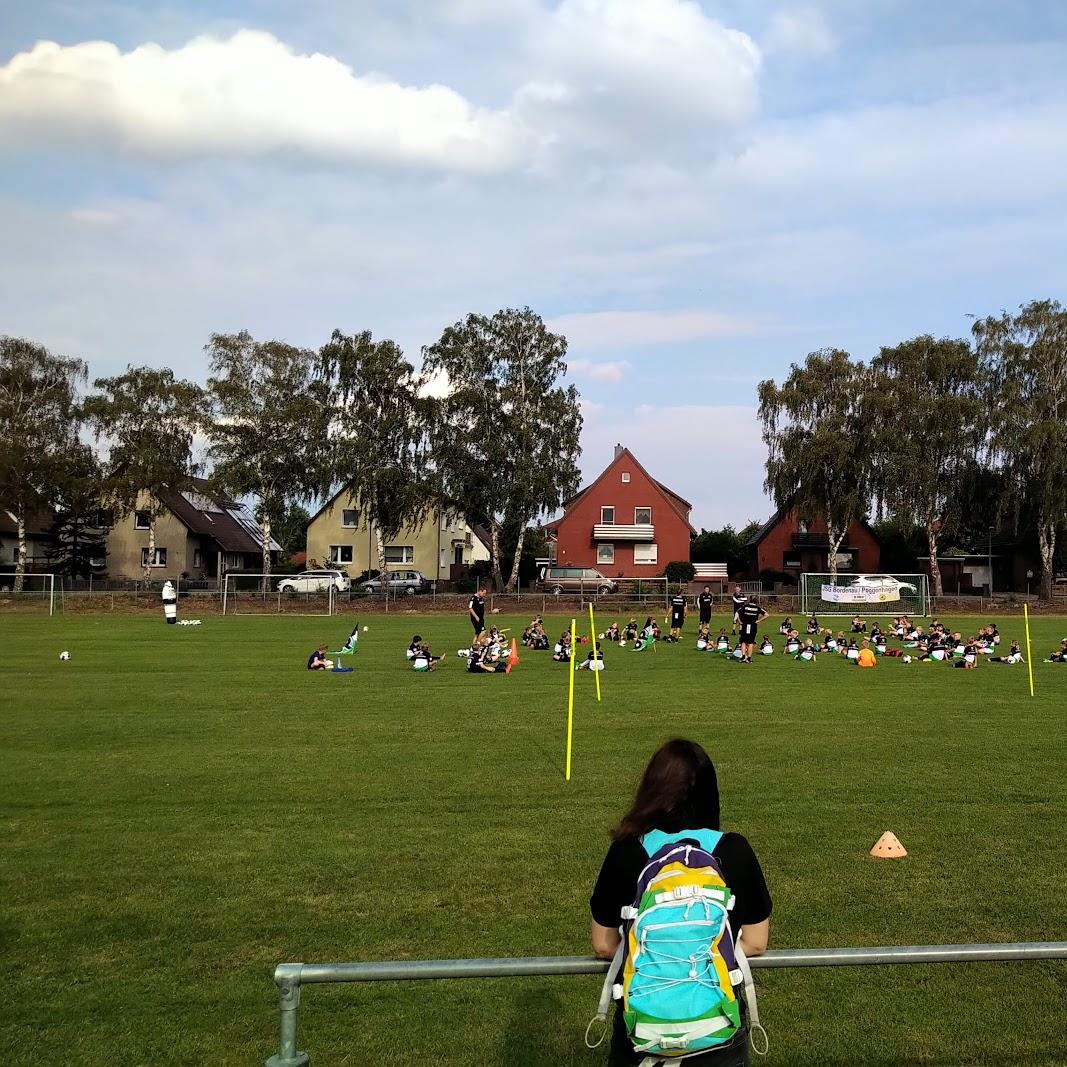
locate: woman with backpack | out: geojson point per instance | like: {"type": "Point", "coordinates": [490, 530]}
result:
{"type": "Point", "coordinates": [670, 838]}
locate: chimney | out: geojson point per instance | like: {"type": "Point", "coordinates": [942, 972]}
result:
{"type": "Point", "coordinates": [618, 451]}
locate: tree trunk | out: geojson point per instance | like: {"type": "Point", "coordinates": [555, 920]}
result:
{"type": "Point", "coordinates": [151, 545]}
{"type": "Point", "coordinates": [265, 530]}
{"type": "Point", "coordinates": [383, 577]}
{"type": "Point", "coordinates": [1046, 540]}
{"type": "Point", "coordinates": [835, 540]}
{"type": "Point", "coordinates": [20, 560]}
{"type": "Point", "coordinates": [494, 547]}
{"type": "Point", "coordinates": [932, 536]}
{"type": "Point", "coordinates": [513, 581]}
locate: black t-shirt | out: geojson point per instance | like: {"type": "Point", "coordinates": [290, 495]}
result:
{"type": "Point", "coordinates": [477, 605]}
{"type": "Point", "coordinates": [737, 600]}
{"type": "Point", "coordinates": [705, 601]}
{"type": "Point", "coordinates": [678, 606]}
{"type": "Point", "coordinates": [616, 884]}
{"type": "Point", "coordinates": [749, 614]}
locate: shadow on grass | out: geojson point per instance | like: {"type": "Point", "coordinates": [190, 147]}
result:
{"type": "Point", "coordinates": [539, 1033]}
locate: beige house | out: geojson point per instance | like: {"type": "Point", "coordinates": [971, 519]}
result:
{"type": "Point", "coordinates": [198, 533]}
{"type": "Point", "coordinates": [339, 535]}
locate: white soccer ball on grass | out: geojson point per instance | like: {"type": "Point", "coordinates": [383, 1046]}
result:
{"type": "Point", "coordinates": [64, 655]}
{"type": "Point", "coordinates": [365, 629]}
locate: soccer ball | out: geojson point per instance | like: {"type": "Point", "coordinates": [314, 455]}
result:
{"type": "Point", "coordinates": [64, 655]}
{"type": "Point", "coordinates": [365, 629]}
{"type": "Point", "coordinates": [907, 659]}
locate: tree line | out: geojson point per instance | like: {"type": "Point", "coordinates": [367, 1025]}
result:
{"type": "Point", "coordinates": [927, 430]}
{"type": "Point", "coordinates": [283, 424]}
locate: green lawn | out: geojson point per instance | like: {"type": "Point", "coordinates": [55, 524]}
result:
{"type": "Point", "coordinates": [183, 808]}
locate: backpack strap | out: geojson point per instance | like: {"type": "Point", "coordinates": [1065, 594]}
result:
{"type": "Point", "coordinates": [654, 840]}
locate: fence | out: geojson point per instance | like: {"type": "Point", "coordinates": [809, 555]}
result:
{"type": "Point", "coordinates": [290, 977]}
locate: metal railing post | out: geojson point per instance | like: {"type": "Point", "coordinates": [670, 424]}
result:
{"type": "Point", "coordinates": [287, 979]}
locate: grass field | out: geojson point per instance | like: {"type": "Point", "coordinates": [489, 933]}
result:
{"type": "Point", "coordinates": [181, 809]}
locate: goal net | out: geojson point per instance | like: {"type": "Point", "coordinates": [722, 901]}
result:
{"type": "Point", "coordinates": [275, 594]}
{"type": "Point", "coordinates": [864, 594]}
{"type": "Point", "coordinates": [35, 594]}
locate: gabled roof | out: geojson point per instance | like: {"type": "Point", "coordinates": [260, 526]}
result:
{"type": "Point", "coordinates": [679, 505]}
{"type": "Point", "coordinates": [781, 513]}
{"type": "Point", "coordinates": [208, 513]}
{"type": "Point", "coordinates": [39, 521]}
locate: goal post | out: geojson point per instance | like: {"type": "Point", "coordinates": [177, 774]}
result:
{"type": "Point", "coordinates": [864, 594]}
{"type": "Point", "coordinates": [263, 594]}
{"type": "Point", "coordinates": [37, 593]}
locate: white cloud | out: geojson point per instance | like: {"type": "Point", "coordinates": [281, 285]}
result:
{"type": "Point", "coordinates": [246, 96]}
{"type": "Point", "coordinates": [802, 31]}
{"type": "Point", "coordinates": [598, 371]}
{"type": "Point", "coordinates": [614, 329]}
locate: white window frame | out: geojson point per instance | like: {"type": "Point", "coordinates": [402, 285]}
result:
{"type": "Point", "coordinates": [137, 525]}
{"type": "Point", "coordinates": [607, 522]}
{"type": "Point", "coordinates": [337, 554]}
{"type": "Point", "coordinates": [637, 521]}
{"type": "Point", "coordinates": [625, 477]}
{"type": "Point", "coordinates": [407, 555]}
{"type": "Point", "coordinates": [652, 551]}
{"type": "Point", "coordinates": [605, 552]}
{"type": "Point", "coordinates": [159, 560]}
{"type": "Point", "coordinates": [350, 525]}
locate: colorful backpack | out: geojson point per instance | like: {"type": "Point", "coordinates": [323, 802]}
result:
{"type": "Point", "coordinates": [676, 970]}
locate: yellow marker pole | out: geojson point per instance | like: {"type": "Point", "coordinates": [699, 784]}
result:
{"type": "Point", "coordinates": [1029, 657]}
{"type": "Point", "coordinates": [570, 704]}
{"type": "Point", "coordinates": [596, 659]}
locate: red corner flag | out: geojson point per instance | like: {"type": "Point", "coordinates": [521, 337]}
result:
{"type": "Point", "coordinates": [514, 657]}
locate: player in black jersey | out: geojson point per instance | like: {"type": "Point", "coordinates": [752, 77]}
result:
{"type": "Point", "coordinates": [749, 616]}
{"type": "Point", "coordinates": [677, 617]}
{"type": "Point", "coordinates": [704, 603]}
{"type": "Point", "coordinates": [737, 599]}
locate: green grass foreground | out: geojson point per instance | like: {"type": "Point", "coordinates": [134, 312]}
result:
{"type": "Point", "coordinates": [183, 808]}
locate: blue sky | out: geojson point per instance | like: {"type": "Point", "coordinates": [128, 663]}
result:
{"type": "Point", "coordinates": [696, 194]}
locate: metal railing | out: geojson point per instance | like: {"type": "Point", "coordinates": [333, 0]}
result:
{"type": "Point", "coordinates": [291, 977]}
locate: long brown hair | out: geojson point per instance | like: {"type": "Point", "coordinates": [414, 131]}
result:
{"type": "Point", "coordinates": [678, 791]}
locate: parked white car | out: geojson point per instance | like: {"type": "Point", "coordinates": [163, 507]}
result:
{"type": "Point", "coordinates": [315, 582]}
{"type": "Point", "coordinates": [883, 582]}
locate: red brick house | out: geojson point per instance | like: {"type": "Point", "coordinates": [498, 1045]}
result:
{"type": "Point", "coordinates": [787, 545]}
{"type": "Point", "coordinates": [625, 524]}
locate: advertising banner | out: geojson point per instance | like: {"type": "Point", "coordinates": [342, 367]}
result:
{"type": "Point", "coordinates": [858, 594]}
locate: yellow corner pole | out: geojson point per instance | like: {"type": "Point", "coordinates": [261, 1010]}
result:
{"type": "Point", "coordinates": [1029, 657]}
{"type": "Point", "coordinates": [592, 637]}
{"type": "Point", "coordinates": [570, 703]}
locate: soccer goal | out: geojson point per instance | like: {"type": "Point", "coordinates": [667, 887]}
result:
{"type": "Point", "coordinates": [275, 594]}
{"type": "Point", "coordinates": [859, 594]}
{"type": "Point", "coordinates": [37, 593]}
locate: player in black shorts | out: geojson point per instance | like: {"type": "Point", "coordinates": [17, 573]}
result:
{"type": "Point", "coordinates": [476, 610]}
{"type": "Point", "coordinates": [704, 602]}
{"type": "Point", "coordinates": [677, 617]}
{"type": "Point", "coordinates": [737, 600]}
{"type": "Point", "coordinates": [749, 615]}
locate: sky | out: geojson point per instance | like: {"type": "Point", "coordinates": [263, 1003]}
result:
{"type": "Point", "coordinates": [697, 194]}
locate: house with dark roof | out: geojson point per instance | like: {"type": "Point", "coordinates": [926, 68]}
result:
{"type": "Point", "coordinates": [787, 545]}
{"type": "Point", "coordinates": [199, 532]}
{"type": "Point", "coordinates": [39, 523]}
{"type": "Point", "coordinates": [625, 523]}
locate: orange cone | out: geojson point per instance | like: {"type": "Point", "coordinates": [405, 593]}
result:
{"type": "Point", "coordinates": [514, 657]}
{"type": "Point", "coordinates": [888, 847]}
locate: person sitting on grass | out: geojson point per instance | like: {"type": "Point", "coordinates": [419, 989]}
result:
{"type": "Point", "coordinates": [703, 637]}
{"type": "Point", "coordinates": [786, 627]}
{"type": "Point", "coordinates": [994, 633]}
{"type": "Point", "coordinates": [424, 659]}
{"type": "Point", "coordinates": [562, 651]}
{"type": "Point", "coordinates": [415, 647]}
{"type": "Point", "coordinates": [631, 629]}
{"type": "Point", "coordinates": [859, 626]}
{"type": "Point", "coordinates": [538, 638]}
{"type": "Point", "coordinates": [792, 643]}
{"type": "Point", "coordinates": [722, 642]}
{"type": "Point", "coordinates": [766, 648]}
{"type": "Point", "coordinates": [813, 625]}
{"type": "Point", "coordinates": [593, 662]}
{"type": "Point", "coordinates": [807, 652]}
{"type": "Point", "coordinates": [1060, 655]}
{"type": "Point", "coordinates": [970, 655]}
{"type": "Point", "coordinates": [612, 633]}
{"type": "Point", "coordinates": [853, 650]}
{"type": "Point", "coordinates": [1015, 655]}
{"type": "Point", "coordinates": [678, 801]}
{"type": "Point", "coordinates": [317, 661]}
{"type": "Point", "coordinates": [866, 657]}
{"type": "Point", "coordinates": [480, 662]}
{"type": "Point", "coordinates": [829, 643]}
{"type": "Point", "coordinates": [880, 646]}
